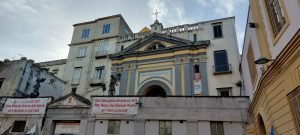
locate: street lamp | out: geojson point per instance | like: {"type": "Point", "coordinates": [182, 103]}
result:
{"type": "Point", "coordinates": [262, 60]}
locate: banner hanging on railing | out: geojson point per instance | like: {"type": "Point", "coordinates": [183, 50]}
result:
{"type": "Point", "coordinates": [115, 105]}
{"type": "Point", "coordinates": [25, 106]}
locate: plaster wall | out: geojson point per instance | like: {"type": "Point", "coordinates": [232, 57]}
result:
{"type": "Point", "coordinates": [20, 78]}
{"type": "Point", "coordinates": [229, 43]}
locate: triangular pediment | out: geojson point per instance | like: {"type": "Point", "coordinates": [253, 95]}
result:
{"type": "Point", "coordinates": [154, 38]}
{"type": "Point", "coordinates": [70, 101]}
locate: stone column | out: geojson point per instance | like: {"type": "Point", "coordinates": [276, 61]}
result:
{"type": "Point", "coordinates": [188, 81]}
{"type": "Point", "coordinates": [132, 78]}
{"type": "Point", "coordinates": [90, 127]}
{"type": "Point", "coordinates": [203, 73]}
{"type": "Point", "coordinates": [83, 126]}
{"type": "Point", "coordinates": [124, 76]}
{"type": "Point", "coordinates": [177, 77]}
{"type": "Point", "coordinates": [192, 127]}
{"type": "Point", "coordinates": [48, 128]}
{"type": "Point", "coordinates": [204, 127]}
{"type": "Point", "coordinates": [139, 127]}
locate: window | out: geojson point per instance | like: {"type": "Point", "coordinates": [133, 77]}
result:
{"type": "Point", "coordinates": [165, 127]}
{"type": "Point", "coordinates": [1, 82]}
{"type": "Point", "coordinates": [155, 46]}
{"type": "Point", "coordinates": [218, 30]}
{"type": "Point", "coordinates": [106, 28]}
{"type": "Point", "coordinates": [113, 127]}
{"type": "Point", "coordinates": [221, 61]}
{"type": "Point", "coordinates": [103, 47]}
{"type": "Point", "coordinates": [81, 52]}
{"type": "Point", "coordinates": [224, 92]}
{"type": "Point", "coordinates": [77, 72]}
{"type": "Point", "coordinates": [66, 128]}
{"type": "Point", "coordinates": [122, 47]}
{"type": "Point", "coordinates": [118, 76]}
{"type": "Point", "coordinates": [195, 37]}
{"type": "Point", "coordinates": [196, 69]}
{"type": "Point", "coordinates": [251, 64]}
{"type": "Point", "coordinates": [85, 33]}
{"type": "Point", "coordinates": [216, 128]}
{"type": "Point", "coordinates": [276, 15]}
{"type": "Point", "coordinates": [19, 126]}
{"type": "Point", "coordinates": [99, 72]}
{"type": "Point", "coordinates": [294, 98]}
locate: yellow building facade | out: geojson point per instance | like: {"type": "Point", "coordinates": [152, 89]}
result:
{"type": "Point", "coordinates": [161, 65]}
{"type": "Point", "coordinates": [273, 34]}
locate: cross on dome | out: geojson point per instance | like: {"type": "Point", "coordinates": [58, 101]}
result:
{"type": "Point", "coordinates": [156, 13]}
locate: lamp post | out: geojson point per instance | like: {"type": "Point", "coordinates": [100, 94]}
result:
{"type": "Point", "coordinates": [262, 60]}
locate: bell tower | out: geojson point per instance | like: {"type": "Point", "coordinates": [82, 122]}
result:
{"type": "Point", "coordinates": [156, 26]}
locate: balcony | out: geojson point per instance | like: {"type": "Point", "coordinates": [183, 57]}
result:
{"type": "Point", "coordinates": [75, 81]}
{"type": "Point", "coordinates": [102, 54]}
{"type": "Point", "coordinates": [222, 69]}
{"type": "Point", "coordinates": [97, 82]}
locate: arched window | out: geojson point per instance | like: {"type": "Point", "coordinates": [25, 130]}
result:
{"type": "Point", "coordinates": [155, 46]}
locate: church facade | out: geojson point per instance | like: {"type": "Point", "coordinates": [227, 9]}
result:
{"type": "Point", "coordinates": [162, 65]}
{"type": "Point", "coordinates": [187, 60]}
{"type": "Point", "coordinates": [181, 80]}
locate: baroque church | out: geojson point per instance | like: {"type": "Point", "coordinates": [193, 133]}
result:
{"type": "Point", "coordinates": [179, 80]}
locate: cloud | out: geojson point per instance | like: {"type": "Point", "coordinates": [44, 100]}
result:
{"type": "Point", "coordinates": [172, 11]}
{"type": "Point", "coordinates": [222, 7]}
{"type": "Point", "coordinates": [42, 29]}
{"type": "Point", "coordinates": [178, 12]}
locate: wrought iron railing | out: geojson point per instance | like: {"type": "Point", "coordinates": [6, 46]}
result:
{"type": "Point", "coordinates": [226, 68]}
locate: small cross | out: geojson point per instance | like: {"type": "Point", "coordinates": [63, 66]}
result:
{"type": "Point", "coordinates": [156, 13]}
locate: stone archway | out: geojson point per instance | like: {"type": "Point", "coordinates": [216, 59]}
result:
{"type": "Point", "coordinates": [261, 126]}
{"type": "Point", "coordinates": [154, 88]}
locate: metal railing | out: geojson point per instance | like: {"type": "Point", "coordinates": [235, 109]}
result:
{"type": "Point", "coordinates": [103, 53]}
{"type": "Point", "coordinates": [226, 68]}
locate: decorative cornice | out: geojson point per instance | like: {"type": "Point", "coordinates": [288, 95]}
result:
{"type": "Point", "coordinates": [92, 40]}
{"type": "Point", "coordinates": [114, 69]}
{"type": "Point", "coordinates": [125, 66]}
{"type": "Point", "coordinates": [132, 66]}
{"type": "Point", "coordinates": [179, 44]}
{"type": "Point", "coordinates": [202, 58]}
{"type": "Point", "coordinates": [182, 60]}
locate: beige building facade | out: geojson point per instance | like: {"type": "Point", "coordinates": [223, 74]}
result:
{"type": "Point", "coordinates": [272, 41]}
{"type": "Point", "coordinates": [55, 67]}
{"type": "Point", "coordinates": [88, 67]}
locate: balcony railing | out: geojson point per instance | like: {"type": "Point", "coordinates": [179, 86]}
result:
{"type": "Point", "coordinates": [222, 69]}
{"type": "Point", "coordinates": [102, 54]}
{"type": "Point", "coordinates": [75, 81]}
{"type": "Point", "coordinates": [97, 81]}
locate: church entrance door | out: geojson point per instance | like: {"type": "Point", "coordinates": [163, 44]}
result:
{"type": "Point", "coordinates": [155, 91]}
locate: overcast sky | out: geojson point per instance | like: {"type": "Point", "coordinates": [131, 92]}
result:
{"type": "Point", "coordinates": [42, 29]}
